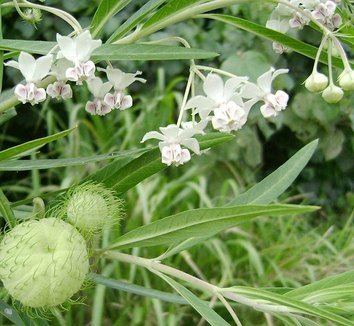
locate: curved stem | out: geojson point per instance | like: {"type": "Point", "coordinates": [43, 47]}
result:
{"type": "Point", "coordinates": [219, 71]}
{"type": "Point", "coordinates": [19, 11]}
{"type": "Point", "coordinates": [185, 97]}
{"type": "Point", "coordinates": [342, 53]}
{"type": "Point", "coordinates": [229, 309]}
{"type": "Point", "coordinates": [152, 264]}
{"type": "Point", "coordinates": [330, 68]}
{"type": "Point", "coordinates": [58, 12]}
{"type": "Point", "coordinates": [319, 51]}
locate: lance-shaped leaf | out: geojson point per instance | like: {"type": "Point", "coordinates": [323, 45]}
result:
{"type": "Point", "coordinates": [204, 221]}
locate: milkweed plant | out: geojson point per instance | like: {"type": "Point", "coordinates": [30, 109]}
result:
{"type": "Point", "coordinates": [48, 259]}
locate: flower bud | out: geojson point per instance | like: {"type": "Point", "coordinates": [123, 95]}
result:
{"type": "Point", "coordinates": [332, 94]}
{"type": "Point", "coordinates": [33, 15]}
{"type": "Point", "coordinates": [91, 207]}
{"type": "Point", "coordinates": [346, 80]}
{"type": "Point", "coordinates": [43, 263]}
{"type": "Point", "coordinates": [316, 82]}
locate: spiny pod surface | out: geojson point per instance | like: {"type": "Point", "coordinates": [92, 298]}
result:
{"type": "Point", "coordinates": [43, 263]}
{"type": "Point", "coordinates": [91, 206]}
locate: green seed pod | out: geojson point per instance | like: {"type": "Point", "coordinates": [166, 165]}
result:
{"type": "Point", "coordinates": [91, 207]}
{"type": "Point", "coordinates": [332, 94]}
{"type": "Point", "coordinates": [43, 263]}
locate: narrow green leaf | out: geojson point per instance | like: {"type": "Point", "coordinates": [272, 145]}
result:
{"type": "Point", "coordinates": [305, 49]}
{"type": "Point", "coordinates": [25, 165]}
{"type": "Point", "coordinates": [279, 299]}
{"type": "Point", "coordinates": [137, 289]}
{"type": "Point", "coordinates": [271, 187]}
{"type": "Point", "coordinates": [6, 210]}
{"type": "Point", "coordinates": [150, 163]}
{"type": "Point", "coordinates": [205, 221]}
{"type": "Point", "coordinates": [326, 283]}
{"type": "Point", "coordinates": [10, 313]}
{"type": "Point", "coordinates": [104, 12]}
{"type": "Point", "coordinates": [200, 306]}
{"type": "Point", "coordinates": [135, 19]}
{"type": "Point", "coordinates": [115, 52]}
{"type": "Point", "coordinates": [33, 144]}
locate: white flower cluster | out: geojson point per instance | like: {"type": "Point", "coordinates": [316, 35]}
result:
{"type": "Point", "coordinates": [299, 13]}
{"type": "Point", "coordinates": [225, 105]}
{"type": "Point", "coordinates": [72, 63]}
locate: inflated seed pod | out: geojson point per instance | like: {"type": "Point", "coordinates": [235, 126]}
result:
{"type": "Point", "coordinates": [91, 206]}
{"type": "Point", "coordinates": [43, 263]}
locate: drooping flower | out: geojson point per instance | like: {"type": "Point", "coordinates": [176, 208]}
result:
{"type": "Point", "coordinates": [198, 127]}
{"type": "Point", "coordinates": [99, 89]}
{"type": "Point", "coordinates": [34, 70]}
{"type": "Point", "coordinates": [120, 81]}
{"type": "Point", "coordinates": [282, 26]}
{"type": "Point", "coordinates": [78, 50]}
{"type": "Point", "coordinates": [60, 89]}
{"type": "Point", "coordinates": [217, 94]}
{"type": "Point", "coordinates": [262, 91]}
{"type": "Point", "coordinates": [325, 13]}
{"type": "Point", "coordinates": [172, 138]}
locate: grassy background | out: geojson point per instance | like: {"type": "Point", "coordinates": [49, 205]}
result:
{"type": "Point", "coordinates": [269, 252]}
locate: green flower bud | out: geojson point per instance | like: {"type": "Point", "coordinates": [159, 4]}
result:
{"type": "Point", "coordinates": [91, 207]}
{"type": "Point", "coordinates": [43, 263]}
{"type": "Point", "coordinates": [332, 94]}
{"type": "Point", "coordinates": [316, 82]}
{"type": "Point", "coordinates": [346, 80]}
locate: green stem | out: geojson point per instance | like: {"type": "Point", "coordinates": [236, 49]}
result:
{"type": "Point", "coordinates": [6, 211]}
{"type": "Point", "coordinates": [58, 12]}
{"type": "Point", "coordinates": [319, 51]}
{"type": "Point", "coordinates": [330, 68]}
{"type": "Point", "coordinates": [185, 97]}
{"type": "Point", "coordinates": [157, 266]}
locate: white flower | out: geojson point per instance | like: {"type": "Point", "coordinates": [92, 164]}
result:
{"type": "Point", "coordinates": [198, 127]}
{"type": "Point", "coordinates": [232, 115]}
{"type": "Point", "coordinates": [99, 89]}
{"type": "Point", "coordinates": [60, 89]}
{"type": "Point", "coordinates": [325, 14]}
{"type": "Point", "coordinates": [273, 103]}
{"type": "Point", "coordinates": [217, 94]}
{"type": "Point", "coordinates": [171, 139]}
{"type": "Point", "coordinates": [120, 81]}
{"type": "Point", "coordinates": [30, 93]}
{"type": "Point", "coordinates": [34, 70]}
{"type": "Point", "coordinates": [78, 50]}
{"type": "Point", "coordinates": [118, 100]}
{"type": "Point", "coordinates": [281, 26]}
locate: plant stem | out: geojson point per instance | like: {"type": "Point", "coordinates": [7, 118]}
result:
{"type": "Point", "coordinates": [58, 12]}
{"type": "Point", "coordinates": [319, 51]}
{"type": "Point", "coordinates": [155, 265]}
{"type": "Point", "coordinates": [185, 97]}
{"type": "Point", "coordinates": [229, 309]}
{"type": "Point", "coordinates": [330, 68]}
{"type": "Point", "coordinates": [219, 71]}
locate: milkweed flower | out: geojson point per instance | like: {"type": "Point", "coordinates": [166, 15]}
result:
{"type": "Point", "coordinates": [217, 94]}
{"type": "Point", "coordinates": [33, 70]}
{"type": "Point", "coordinates": [78, 50]}
{"type": "Point", "coordinates": [262, 91]}
{"type": "Point", "coordinates": [120, 81]}
{"type": "Point", "coordinates": [60, 89]}
{"type": "Point", "coordinates": [99, 89]}
{"type": "Point", "coordinates": [172, 138]}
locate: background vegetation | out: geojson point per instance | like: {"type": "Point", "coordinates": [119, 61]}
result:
{"type": "Point", "coordinates": [268, 252]}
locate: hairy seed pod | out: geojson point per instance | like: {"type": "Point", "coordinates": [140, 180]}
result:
{"type": "Point", "coordinates": [91, 206]}
{"type": "Point", "coordinates": [43, 263]}
{"type": "Point", "coordinates": [332, 94]}
{"type": "Point", "coordinates": [33, 15]}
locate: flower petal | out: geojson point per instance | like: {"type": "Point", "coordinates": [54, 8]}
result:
{"type": "Point", "coordinates": [67, 47]}
{"type": "Point", "coordinates": [192, 144]}
{"type": "Point", "coordinates": [42, 68]}
{"type": "Point", "coordinates": [231, 86]}
{"type": "Point", "coordinates": [27, 65]}
{"type": "Point", "coordinates": [153, 135]}
{"type": "Point", "coordinates": [265, 81]}
{"type": "Point", "coordinates": [251, 90]}
{"type": "Point", "coordinates": [214, 87]}
{"type": "Point", "coordinates": [171, 131]}
{"type": "Point", "coordinates": [12, 63]}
